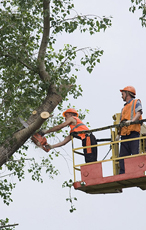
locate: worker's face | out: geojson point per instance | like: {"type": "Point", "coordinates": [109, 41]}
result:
{"type": "Point", "coordinates": [67, 115]}
{"type": "Point", "coordinates": [124, 96]}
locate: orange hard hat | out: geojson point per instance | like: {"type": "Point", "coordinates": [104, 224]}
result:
{"type": "Point", "coordinates": [70, 111]}
{"type": "Point", "coordinates": [129, 89]}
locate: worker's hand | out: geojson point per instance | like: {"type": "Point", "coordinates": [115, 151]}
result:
{"type": "Point", "coordinates": [117, 138]}
{"type": "Point", "coordinates": [42, 132]}
{"type": "Point", "coordinates": [48, 146]}
{"type": "Point", "coordinates": [128, 122]}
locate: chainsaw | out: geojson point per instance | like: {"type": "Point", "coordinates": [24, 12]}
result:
{"type": "Point", "coordinates": [38, 138]}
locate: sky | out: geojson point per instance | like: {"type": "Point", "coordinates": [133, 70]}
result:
{"type": "Point", "coordinates": [43, 206]}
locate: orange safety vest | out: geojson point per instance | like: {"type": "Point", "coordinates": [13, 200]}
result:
{"type": "Point", "coordinates": [128, 112]}
{"type": "Point", "coordinates": [78, 127]}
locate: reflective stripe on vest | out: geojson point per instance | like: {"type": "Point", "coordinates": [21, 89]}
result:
{"type": "Point", "coordinates": [77, 126]}
{"type": "Point", "coordinates": [132, 110]}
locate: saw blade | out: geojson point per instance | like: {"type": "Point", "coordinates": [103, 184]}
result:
{"type": "Point", "coordinates": [23, 122]}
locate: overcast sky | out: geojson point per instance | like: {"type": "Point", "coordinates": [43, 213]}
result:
{"type": "Point", "coordinates": [43, 206]}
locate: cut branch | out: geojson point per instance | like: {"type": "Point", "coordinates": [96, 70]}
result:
{"type": "Point", "coordinates": [51, 101]}
{"type": "Point", "coordinates": [12, 144]}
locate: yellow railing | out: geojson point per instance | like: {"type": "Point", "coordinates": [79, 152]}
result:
{"type": "Point", "coordinates": [113, 159]}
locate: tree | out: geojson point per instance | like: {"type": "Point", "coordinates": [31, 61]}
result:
{"type": "Point", "coordinates": [36, 77]}
{"type": "Point", "coordinates": [33, 76]}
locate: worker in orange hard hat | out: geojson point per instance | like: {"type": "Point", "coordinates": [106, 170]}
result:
{"type": "Point", "coordinates": [76, 125]}
{"type": "Point", "coordinates": [129, 90]}
{"type": "Point", "coordinates": [131, 112]}
{"type": "Point", "coordinates": [70, 111]}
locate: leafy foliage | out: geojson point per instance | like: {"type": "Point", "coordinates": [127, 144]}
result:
{"type": "Point", "coordinates": [140, 5]}
{"type": "Point", "coordinates": [22, 88]}
{"type": "Point", "coordinates": [36, 169]}
{"type": "Point", "coordinates": [4, 224]}
{"type": "Point", "coordinates": [71, 199]}
{"type": "Point", "coordinates": [5, 191]}
{"type": "Point", "coordinates": [21, 24]}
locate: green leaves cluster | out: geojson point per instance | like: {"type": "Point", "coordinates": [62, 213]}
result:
{"type": "Point", "coordinates": [71, 199]}
{"type": "Point", "coordinates": [19, 80]}
{"type": "Point", "coordinates": [21, 26]}
{"type": "Point", "coordinates": [6, 190]}
{"type": "Point", "coordinates": [17, 167]}
{"type": "Point", "coordinates": [4, 225]}
{"type": "Point", "coordinates": [90, 23]}
{"type": "Point", "coordinates": [92, 59]}
{"type": "Point", "coordinates": [36, 169]}
{"type": "Point", "coordinates": [139, 5]}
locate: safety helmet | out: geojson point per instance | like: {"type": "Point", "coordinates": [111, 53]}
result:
{"type": "Point", "coordinates": [130, 89]}
{"type": "Point", "coordinates": [70, 111]}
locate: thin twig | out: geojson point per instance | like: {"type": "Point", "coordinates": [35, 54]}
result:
{"type": "Point", "coordinates": [7, 226]}
{"type": "Point", "coordinates": [81, 49]}
{"type": "Point", "coordinates": [81, 16]}
{"type": "Point", "coordinates": [7, 175]}
{"type": "Point", "coordinates": [26, 159]}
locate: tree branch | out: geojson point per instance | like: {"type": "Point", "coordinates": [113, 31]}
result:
{"type": "Point", "coordinates": [79, 16]}
{"type": "Point", "coordinates": [43, 47]}
{"type": "Point", "coordinates": [7, 175]}
{"type": "Point", "coordinates": [18, 59]}
{"type": "Point", "coordinates": [49, 104]}
{"type": "Point", "coordinates": [9, 225]}
{"type": "Point", "coordinates": [81, 49]}
{"type": "Point", "coordinates": [12, 144]}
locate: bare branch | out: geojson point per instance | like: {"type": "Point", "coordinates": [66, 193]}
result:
{"type": "Point", "coordinates": [7, 226]}
{"type": "Point", "coordinates": [19, 160]}
{"type": "Point", "coordinates": [7, 175]}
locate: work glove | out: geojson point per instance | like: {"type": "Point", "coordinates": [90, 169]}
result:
{"type": "Point", "coordinates": [117, 138]}
{"type": "Point", "coordinates": [42, 132]}
{"type": "Point", "coordinates": [128, 122]}
{"type": "Point", "coordinates": [48, 146]}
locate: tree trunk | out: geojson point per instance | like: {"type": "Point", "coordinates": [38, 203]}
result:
{"type": "Point", "coordinates": [11, 145]}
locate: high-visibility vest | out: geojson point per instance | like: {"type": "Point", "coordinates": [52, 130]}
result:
{"type": "Point", "coordinates": [78, 127]}
{"type": "Point", "coordinates": [128, 113]}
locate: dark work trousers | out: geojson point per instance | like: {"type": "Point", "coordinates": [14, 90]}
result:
{"type": "Point", "coordinates": [128, 148]}
{"type": "Point", "coordinates": [92, 156]}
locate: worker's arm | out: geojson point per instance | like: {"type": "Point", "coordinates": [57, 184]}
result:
{"type": "Point", "coordinates": [137, 116]}
{"type": "Point", "coordinates": [58, 127]}
{"type": "Point", "coordinates": [138, 111]}
{"type": "Point", "coordinates": [64, 142]}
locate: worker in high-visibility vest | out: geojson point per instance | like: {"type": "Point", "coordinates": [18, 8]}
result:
{"type": "Point", "coordinates": [76, 125]}
{"type": "Point", "coordinates": [132, 111]}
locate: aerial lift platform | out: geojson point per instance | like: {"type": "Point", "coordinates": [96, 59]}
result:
{"type": "Point", "coordinates": [92, 179]}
